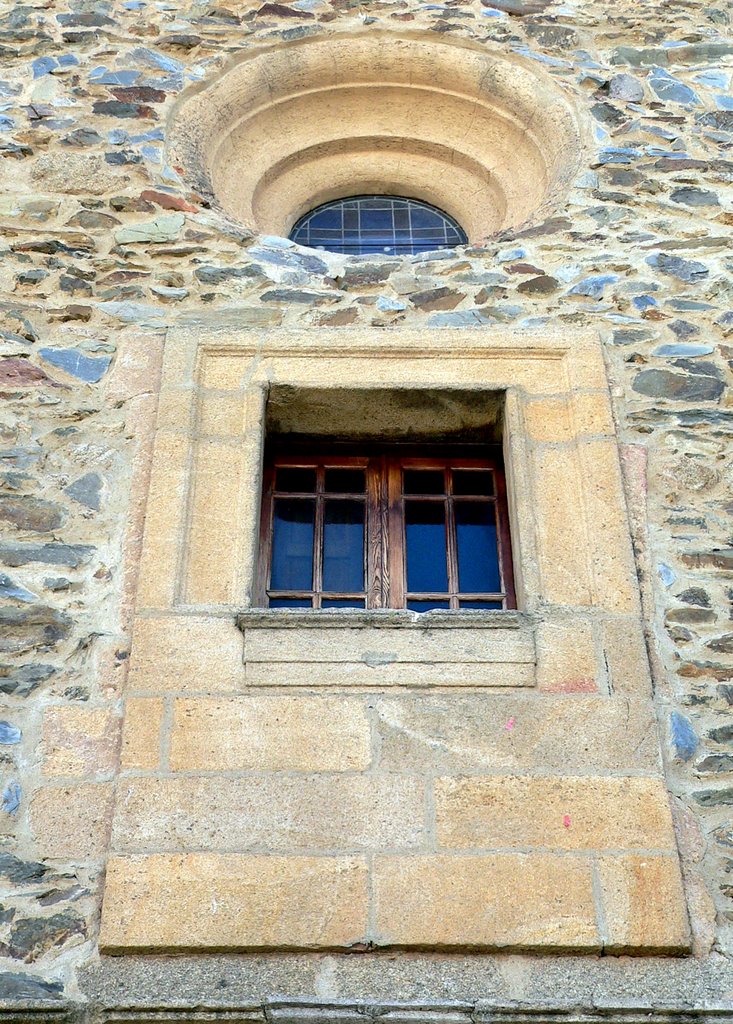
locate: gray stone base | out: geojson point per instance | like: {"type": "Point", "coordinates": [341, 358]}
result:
{"type": "Point", "coordinates": [392, 988]}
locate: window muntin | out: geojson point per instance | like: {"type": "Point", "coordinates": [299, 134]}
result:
{"type": "Point", "coordinates": [385, 530]}
{"type": "Point", "coordinates": [391, 225]}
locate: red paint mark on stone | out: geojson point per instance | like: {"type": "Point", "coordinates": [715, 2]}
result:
{"type": "Point", "coordinates": [566, 820]}
{"type": "Point", "coordinates": [510, 725]}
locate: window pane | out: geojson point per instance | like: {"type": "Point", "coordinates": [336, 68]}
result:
{"type": "Point", "coordinates": [473, 481]}
{"type": "Point", "coordinates": [345, 481]}
{"type": "Point", "coordinates": [292, 544]}
{"type": "Point", "coordinates": [483, 606]}
{"type": "Point", "coordinates": [290, 602]}
{"type": "Point", "coordinates": [426, 606]}
{"type": "Point", "coordinates": [298, 480]}
{"type": "Point", "coordinates": [338, 602]}
{"type": "Point", "coordinates": [423, 481]}
{"type": "Point", "coordinates": [343, 546]}
{"type": "Point", "coordinates": [478, 558]}
{"type": "Point", "coordinates": [365, 224]}
{"type": "Point", "coordinates": [425, 547]}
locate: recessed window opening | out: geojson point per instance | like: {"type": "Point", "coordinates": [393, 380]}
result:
{"type": "Point", "coordinates": [389, 225]}
{"type": "Point", "coordinates": [385, 527]}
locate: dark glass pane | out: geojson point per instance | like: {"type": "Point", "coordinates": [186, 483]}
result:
{"type": "Point", "coordinates": [483, 606]}
{"type": "Point", "coordinates": [425, 547]}
{"type": "Point", "coordinates": [423, 481]}
{"type": "Point", "coordinates": [343, 546]}
{"type": "Point", "coordinates": [345, 481]}
{"type": "Point", "coordinates": [478, 557]}
{"type": "Point", "coordinates": [377, 224]}
{"type": "Point", "coordinates": [473, 481]}
{"type": "Point", "coordinates": [426, 606]}
{"type": "Point", "coordinates": [290, 602]}
{"type": "Point", "coordinates": [292, 544]}
{"type": "Point", "coordinates": [424, 217]}
{"type": "Point", "coordinates": [328, 218]}
{"type": "Point", "coordinates": [298, 480]}
{"type": "Point", "coordinates": [346, 602]}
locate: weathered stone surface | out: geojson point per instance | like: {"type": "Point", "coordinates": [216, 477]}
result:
{"type": "Point", "coordinates": [72, 555]}
{"type": "Point", "coordinates": [275, 733]}
{"type": "Point", "coordinates": [300, 902]}
{"type": "Point", "coordinates": [644, 904]}
{"type": "Point", "coordinates": [33, 514]}
{"type": "Point", "coordinates": [559, 813]}
{"type": "Point", "coordinates": [626, 87]}
{"type": "Point", "coordinates": [74, 173]}
{"type": "Point", "coordinates": [40, 627]}
{"type": "Point", "coordinates": [86, 490]}
{"type": "Point", "coordinates": [79, 741]}
{"type": "Point", "coordinates": [71, 822]}
{"type": "Point", "coordinates": [281, 813]}
{"type": "Point", "coordinates": [32, 938]}
{"type": "Point", "coordinates": [492, 901]}
{"type": "Point", "coordinates": [165, 228]}
{"type": "Point", "coordinates": [90, 369]}
{"type": "Point", "coordinates": [666, 384]}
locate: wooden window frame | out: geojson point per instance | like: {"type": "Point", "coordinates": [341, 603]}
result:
{"type": "Point", "coordinates": [385, 560]}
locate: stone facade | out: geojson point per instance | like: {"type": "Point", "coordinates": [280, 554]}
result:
{"type": "Point", "coordinates": [109, 256]}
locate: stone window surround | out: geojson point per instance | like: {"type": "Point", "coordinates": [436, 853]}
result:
{"type": "Point", "coordinates": [574, 569]}
{"type": "Point", "coordinates": [578, 632]}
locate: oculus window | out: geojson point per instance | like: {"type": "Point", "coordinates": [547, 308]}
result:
{"type": "Point", "coordinates": [364, 225]}
{"type": "Point", "coordinates": [385, 529]}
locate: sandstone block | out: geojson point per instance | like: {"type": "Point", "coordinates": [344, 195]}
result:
{"type": "Point", "coordinates": [565, 576]}
{"type": "Point", "coordinates": [270, 733]}
{"type": "Point", "coordinates": [524, 901]}
{"type": "Point", "coordinates": [221, 415]}
{"type": "Point", "coordinates": [563, 419]}
{"type": "Point", "coordinates": [79, 741]}
{"type": "Point", "coordinates": [210, 902]}
{"type": "Point", "coordinates": [72, 821]}
{"type": "Point", "coordinates": [555, 812]}
{"type": "Point", "coordinates": [141, 732]}
{"type": "Point", "coordinates": [164, 527]}
{"type": "Point", "coordinates": [454, 733]}
{"type": "Point", "coordinates": [279, 813]}
{"type": "Point", "coordinates": [185, 652]}
{"type": "Point", "coordinates": [644, 904]}
{"type": "Point", "coordinates": [215, 534]}
{"type": "Point", "coordinates": [566, 656]}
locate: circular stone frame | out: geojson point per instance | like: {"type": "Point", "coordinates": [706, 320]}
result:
{"type": "Point", "coordinates": [478, 133]}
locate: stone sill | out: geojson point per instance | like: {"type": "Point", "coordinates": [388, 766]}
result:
{"type": "Point", "coordinates": [387, 647]}
{"type": "Point", "coordinates": [382, 618]}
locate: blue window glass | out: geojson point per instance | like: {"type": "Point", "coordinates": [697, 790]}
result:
{"type": "Point", "coordinates": [391, 225]}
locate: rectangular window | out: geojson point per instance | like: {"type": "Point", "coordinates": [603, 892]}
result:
{"type": "Point", "coordinates": [385, 529]}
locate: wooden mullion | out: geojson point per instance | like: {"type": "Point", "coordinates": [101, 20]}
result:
{"type": "Point", "coordinates": [451, 540]}
{"type": "Point", "coordinates": [375, 537]}
{"type": "Point", "coordinates": [396, 556]}
{"type": "Point", "coordinates": [318, 540]}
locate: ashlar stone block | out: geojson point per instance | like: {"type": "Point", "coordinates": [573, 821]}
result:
{"type": "Point", "coordinates": [212, 902]}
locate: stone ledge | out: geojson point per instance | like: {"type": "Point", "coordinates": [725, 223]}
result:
{"type": "Point", "coordinates": [283, 1012]}
{"type": "Point", "coordinates": [385, 618]}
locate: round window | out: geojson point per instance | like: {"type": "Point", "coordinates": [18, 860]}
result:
{"type": "Point", "coordinates": [377, 224]}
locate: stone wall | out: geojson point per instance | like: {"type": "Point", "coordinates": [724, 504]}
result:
{"type": "Point", "coordinates": [106, 247]}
